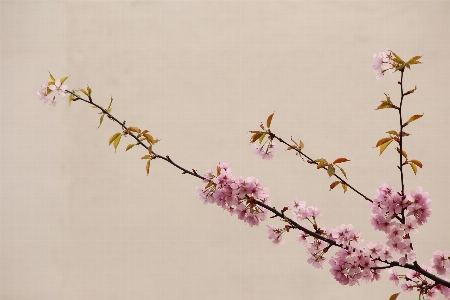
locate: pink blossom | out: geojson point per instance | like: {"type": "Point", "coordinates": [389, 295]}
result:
{"type": "Point", "coordinates": [394, 277]}
{"type": "Point", "coordinates": [59, 87]}
{"type": "Point", "coordinates": [382, 63]}
{"type": "Point", "coordinates": [275, 235]}
{"type": "Point", "coordinates": [441, 261]}
{"type": "Point", "coordinates": [265, 152]}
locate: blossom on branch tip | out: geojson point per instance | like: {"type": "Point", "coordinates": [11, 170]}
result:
{"type": "Point", "coordinates": [383, 63]}
{"type": "Point", "coordinates": [59, 87]}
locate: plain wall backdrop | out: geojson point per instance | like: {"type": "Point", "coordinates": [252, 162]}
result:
{"type": "Point", "coordinates": [79, 221]}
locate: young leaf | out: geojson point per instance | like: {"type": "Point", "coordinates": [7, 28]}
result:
{"type": "Point", "coordinates": [117, 141]}
{"type": "Point", "coordinates": [64, 79]}
{"type": "Point", "coordinates": [84, 92]}
{"type": "Point", "coordinates": [261, 138]}
{"type": "Point", "coordinates": [384, 146]}
{"type": "Point", "coordinates": [331, 171]}
{"type": "Point", "coordinates": [129, 147]}
{"type": "Point", "coordinates": [150, 147]}
{"type": "Point", "coordinates": [343, 172]}
{"type": "Point", "coordinates": [150, 139]}
{"type": "Point", "coordinates": [146, 156]}
{"type": "Point", "coordinates": [413, 118]}
{"type": "Point", "coordinates": [382, 141]}
{"type": "Point", "coordinates": [340, 160]}
{"type": "Point", "coordinates": [413, 166]}
{"type": "Point", "coordinates": [414, 60]}
{"type": "Point", "coordinates": [344, 186]}
{"type": "Point", "coordinates": [134, 129]}
{"type": "Point", "coordinates": [89, 90]}
{"type": "Point", "coordinates": [70, 99]}
{"type": "Point", "coordinates": [319, 160]}
{"type": "Point", "coordinates": [322, 164]}
{"type": "Point", "coordinates": [301, 145]}
{"type": "Point", "coordinates": [417, 163]}
{"type": "Point", "coordinates": [393, 132]}
{"type": "Point", "coordinates": [147, 167]}
{"type": "Point", "coordinates": [101, 120]}
{"type": "Point", "coordinates": [51, 76]}
{"type": "Point", "coordinates": [269, 120]}
{"type": "Point", "coordinates": [334, 184]}
{"type": "Point", "coordinates": [255, 136]}
{"type": "Point", "coordinates": [394, 296]}
{"type": "Point", "coordinates": [113, 137]}
{"type": "Point", "coordinates": [403, 152]}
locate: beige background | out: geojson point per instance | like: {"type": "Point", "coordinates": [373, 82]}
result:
{"type": "Point", "coordinates": [79, 221]}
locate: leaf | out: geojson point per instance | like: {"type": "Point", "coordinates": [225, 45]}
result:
{"type": "Point", "coordinates": [334, 184]}
{"type": "Point", "coordinates": [403, 152]}
{"type": "Point", "coordinates": [134, 129]}
{"type": "Point", "coordinates": [340, 160]}
{"type": "Point", "coordinates": [405, 134]}
{"type": "Point", "coordinates": [301, 145]}
{"type": "Point", "coordinates": [331, 171]}
{"type": "Point", "coordinates": [414, 60]}
{"type": "Point", "coordinates": [210, 183]}
{"type": "Point", "coordinates": [291, 147]}
{"type": "Point", "coordinates": [147, 167]}
{"type": "Point", "coordinates": [146, 156]}
{"type": "Point", "coordinates": [384, 105]}
{"type": "Point", "coordinates": [383, 140]}
{"type": "Point", "coordinates": [150, 139]}
{"type": "Point", "coordinates": [89, 90]}
{"type": "Point", "coordinates": [414, 167]}
{"type": "Point", "coordinates": [84, 92]}
{"type": "Point", "coordinates": [64, 79]}
{"type": "Point", "coordinates": [413, 118]}
{"type": "Point", "coordinates": [384, 146]}
{"type": "Point", "coordinates": [70, 99]}
{"type": "Point", "coordinates": [393, 132]}
{"type": "Point", "coordinates": [269, 120]}
{"type": "Point", "coordinates": [150, 147]}
{"type": "Point", "coordinates": [51, 76]}
{"type": "Point", "coordinates": [344, 186]}
{"type": "Point", "coordinates": [322, 164]}
{"type": "Point", "coordinates": [343, 172]}
{"type": "Point", "coordinates": [417, 163]}
{"type": "Point", "coordinates": [397, 59]}
{"type": "Point", "coordinates": [261, 138]}
{"type": "Point", "coordinates": [117, 141]}
{"type": "Point", "coordinates": [319, 160]}
{"type": "Point", "coordinates": [255, 136]}
{"type": "Point", "coordinates": [109, 106]}
{"type": "Point", "coordinates": [113, 137]}
{"type": "Point", "coordinates": [394, 296]}
{"type": "Point", "coordinates": [130, 146]}
{"type": "Point", "coordinates": [101, 120]}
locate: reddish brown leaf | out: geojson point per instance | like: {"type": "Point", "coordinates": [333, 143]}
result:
{"type": "Point", "coordinates": [340, 160]}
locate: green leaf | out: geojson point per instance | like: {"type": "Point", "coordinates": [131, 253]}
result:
{"type": "Point", "coordinates": [70, 99]}
{"type": "Point", "coordinates": [146, 156]}
{"type": "Point", "coordinates": [322, 164]}
{"type": "Point", "coordinates": [101, 120]}
{"type": "Point", "coordinates": [331, 171]}
{"type": "Point", "coordinates": [261, 138]}
{"type": "Point", "coordinates": [384, 146]}
{"type": "Point", "coordinates": [64, 79]}
{"type": "Point", "coordinates": [134, 129]}
{"type": "Point", "coordinates": [403, 152]}
{"type": "Point", "coordinates": [414, 167]}
{"type": "Point", "coordinates": [150, 139]}
{"type": "Point", "coordinates": [414, 60]}
{"type": "Point", "coordinates": [129, 147]}
{"type": "Point", "coordinates": [51, 76]}
{"type": "Point", "coordinates": [117, 141]}
{"type": "Point", "coordinates": [393, 132]}
{"type": "Point", "coordinates": [269, 120]}
{"type": "Point", "coordinates": [113, 137]}
{"type": "Point", "coordinates": [84, 92]}
{"type": "Point", "coordinates": [334, 184]}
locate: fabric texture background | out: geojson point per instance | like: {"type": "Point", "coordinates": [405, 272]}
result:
{"type": "Point", "coordinates": [79, 221]}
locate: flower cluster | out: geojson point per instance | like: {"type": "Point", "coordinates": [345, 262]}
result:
{"type": "Point", "coordinates": [55, 86]}
{"type": "Point", "coordinates": [390, 207]}
{"type": "Point", "coordinates": [383, 63]}
{"type": "Point", "coordinates": [441, 262]}
{"type": "Point", "coordinates": [266, 152]}
{"type": "Point", "coordinates": [235, 195]}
